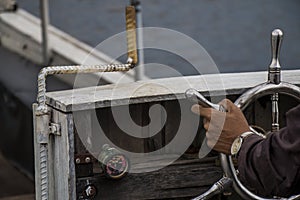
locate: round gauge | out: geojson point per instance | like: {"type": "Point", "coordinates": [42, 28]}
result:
{"type": "Point", "coordinates": [116, 166]}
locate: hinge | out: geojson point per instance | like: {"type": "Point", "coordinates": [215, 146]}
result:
{"type": "Point", "coordinates": [54, 129]}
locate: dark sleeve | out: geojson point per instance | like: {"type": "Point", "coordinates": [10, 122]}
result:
{"type": "Point", "coordinates": [271, 166]}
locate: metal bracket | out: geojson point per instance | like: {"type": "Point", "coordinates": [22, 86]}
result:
{"type": "Point", "coordinates": [54, 129]}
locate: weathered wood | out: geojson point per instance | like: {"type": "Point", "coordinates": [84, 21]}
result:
{"type": "Point", "coordinates": [184, 179]}
{"type": "Point", "coordinates": [170, 182]}
{"type": "Point", "coordinates": [83, 125]}
{"type": "Point", "coordinates": [36, 154]}
{"type": "Point", "coordinates": [20, 197]}
{"type": "Point", "coordinates": [170, 129]}
{"type": "Point", "coordinates": [61, 154]}
{"type": "Point", "coordinates": [160, 89]}
{"type": "Point", "coordinates": [130, 127]}
{"type": "Point", "coordinates": [153, 122]}
{"type": "Point", "coordinates": [118, 126]}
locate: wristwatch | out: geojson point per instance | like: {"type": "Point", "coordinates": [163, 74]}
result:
{"type": "Point", "coordinates": [237, 143]}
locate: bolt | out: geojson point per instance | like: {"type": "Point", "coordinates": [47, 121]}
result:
{"type": "Point", "coordinates": [87, 159]}
{"type": "Point", "coordinates": [90, 191]}
{"type": "Point", "coordinates": [77, 160]}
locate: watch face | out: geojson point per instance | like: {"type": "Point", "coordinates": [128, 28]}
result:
{"type": "Point", "coordinates": [236, 145]}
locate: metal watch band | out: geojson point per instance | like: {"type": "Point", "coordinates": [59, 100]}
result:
{"type": "Point", "coordinates": [257, 133]}
{"type": "Point", "coordinates": [237, 143]}
{"type": "Point", "coordinates": [246, 134]}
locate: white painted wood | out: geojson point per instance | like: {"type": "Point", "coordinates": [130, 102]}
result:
{"type": "Point", "coordinates": [160, 89]}
{"type": "Point", "coordinates": [20, 32]}
{"type": "Point", "coordinates": [15, 40]}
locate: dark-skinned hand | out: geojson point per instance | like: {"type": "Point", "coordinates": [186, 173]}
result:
{"type": "Point", "coordinates": [222, 128]}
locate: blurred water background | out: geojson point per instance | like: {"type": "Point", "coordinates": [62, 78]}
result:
{"type": "Point", "coordinates": [235, 33]}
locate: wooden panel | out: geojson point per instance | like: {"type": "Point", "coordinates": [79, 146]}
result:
{"type": "Point", "coordinates": [21, 197]}
{"type": "Point", "coordinates": [160, 89]}
{"type": "Point", "coordinates": [153, 114]}
{"type": "Point", "coordinates": [181, 180]}
{"type": "Point", "coordinates": [61, 155]}
{"type": "Point", "coordinates": [36, 152]}
{"type": "Point", "coordinates": [173, 121]}
{"type": "Point", "coordinates": [144, 135]}
{"type": "Point", "coordinates": [122, 125]}
{"type": "Point", "coordinates": [83, 125]}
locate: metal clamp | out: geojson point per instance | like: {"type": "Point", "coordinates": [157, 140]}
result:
{"type": "Point", "coordinates": [54, 129]}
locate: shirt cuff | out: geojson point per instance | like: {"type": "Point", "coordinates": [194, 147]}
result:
{"type": "Point", "coordinates": [248, 143]}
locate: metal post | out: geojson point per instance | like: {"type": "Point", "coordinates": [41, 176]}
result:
{"type": "Point", "coordinates": [44, 12]}
{"type": "Point", "coordinates": [139, 71]}
{"type": "Point", "coordinates": [275, 112]}
{"type": "Point", "coordinates": [274, 75]}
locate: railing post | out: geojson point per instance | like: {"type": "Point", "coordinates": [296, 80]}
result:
{"type": "Point", "coordinates": [139, 71]}
{"type": "Point", "coordinates": [44, 12]}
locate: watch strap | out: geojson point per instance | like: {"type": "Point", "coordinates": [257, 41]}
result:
{"type": "Point", "coordinates": [257, 133]}
{"type": "Point", "coordinates": [237, 144]}
{"type": "Point", "coordinates": [246, 134]}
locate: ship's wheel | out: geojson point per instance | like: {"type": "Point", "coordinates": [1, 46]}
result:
{"type": "Point", "coordinates": [274, 88]}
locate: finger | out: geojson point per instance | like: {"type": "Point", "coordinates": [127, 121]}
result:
{"type": "Point", "coordinates": [228, 105]}
{"type": "Point", "coordinates": [209, 136]}
{"type": "Point", "coordinates": [205, 124]}
{"type": "Point", "coordinates": [204, 112]}
{"type": "Point", "coordinates": [206, 121]}
{"type": "Point", "coordinates": [213, 132]}
{"type": "Point", "coordinates": [210, 143]}
{"type": "Point", "coordinates": [196, 109]}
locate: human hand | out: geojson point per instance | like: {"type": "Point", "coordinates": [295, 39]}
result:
{"type": "Point", "coordinates": [222, 128]}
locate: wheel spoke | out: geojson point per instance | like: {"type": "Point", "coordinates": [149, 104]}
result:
{"type": "Point", "coordinates": [275, 112]}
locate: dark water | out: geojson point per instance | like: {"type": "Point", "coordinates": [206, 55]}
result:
{"type": "Point", "coordinates": [235, 33]}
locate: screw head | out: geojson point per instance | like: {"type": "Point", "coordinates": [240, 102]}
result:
{"type": "Point", "coordinates": [87, 159]}
{"type": "Point", "coordinates": [77, 160]}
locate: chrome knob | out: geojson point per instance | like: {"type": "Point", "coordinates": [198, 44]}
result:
{"type": "Point", "coordinates": [274, 68]}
